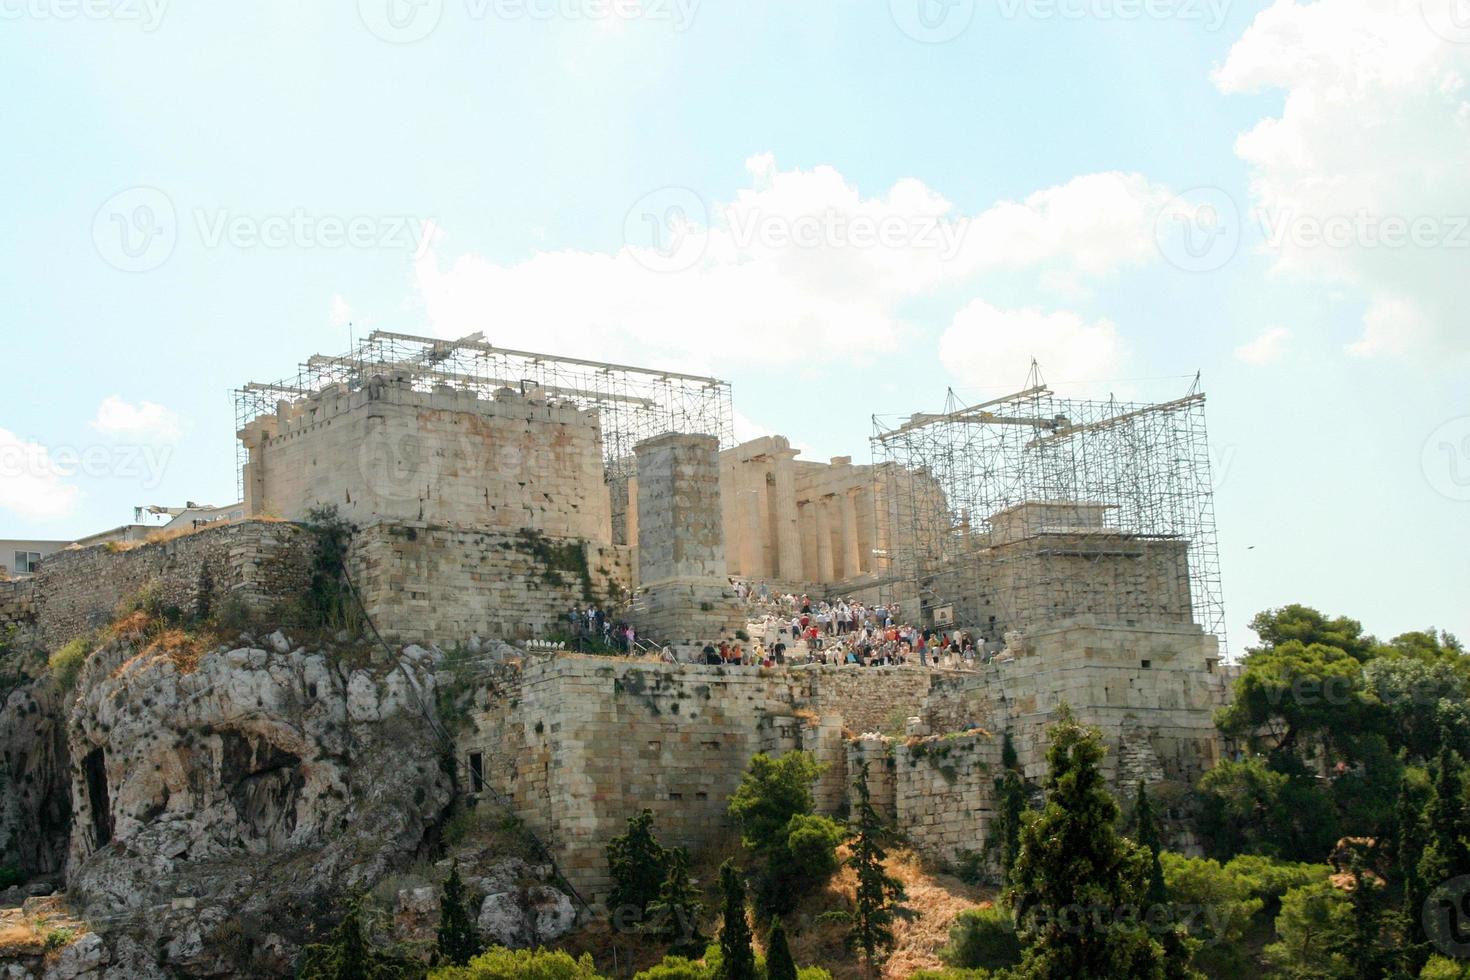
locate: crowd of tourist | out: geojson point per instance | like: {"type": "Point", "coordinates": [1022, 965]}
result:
{"type": "Point", "coordinates": [787, 629]}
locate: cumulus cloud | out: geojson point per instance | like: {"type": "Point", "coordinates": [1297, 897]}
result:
{"type": "Point", "coordinates": [1361, 178]}
{"type": "Point", "coordinates": [144, 421]}
{"type": "Point", "coordinates": [797, 256]}
{"type": "Point", "coordinates": [32, 484]}
{"type": "Point", "coordinates": [987, 346]}
{"type": "Point", "coordinates": [1266, 348]}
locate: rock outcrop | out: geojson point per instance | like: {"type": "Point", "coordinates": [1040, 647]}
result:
{"type": "Point", "coordinates": [221, 808]}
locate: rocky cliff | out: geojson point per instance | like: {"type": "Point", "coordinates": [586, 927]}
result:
{"type": "Point", "coordinates": [213, 810]}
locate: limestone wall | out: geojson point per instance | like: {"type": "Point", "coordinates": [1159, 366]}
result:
{"type": "Point", "coordinates": [258, 562]}
{"type": "Point", "coordinates": [17, 604]}
{"type": "Point", "coordinates": [387, 451]}
{"type": "Point", "coordinates": [683, 593]}
{"type": "Point", "coordinates": [938, 791]}
{"type": "Point", "coordinates": [426, 583]}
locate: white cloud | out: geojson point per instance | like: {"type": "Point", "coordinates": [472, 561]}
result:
{"type": "Point", "coordinates": [1266, 348]}
{"type": "Point", "coordinates": [989, 347]}
{"type": "Point", "coordinates": [798, 256]}
{"type": "Point", "coordinates": [341, 313]}
{"type": "Point", "coordinates": [31, 482]}
{"type": "Point", "coordinates": [1371, 143]}
{"type": "Point", "coordinates": [145, 420]}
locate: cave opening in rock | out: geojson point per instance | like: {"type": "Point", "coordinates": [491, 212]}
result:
{"type": "Point", "coordinates": [94, 770]}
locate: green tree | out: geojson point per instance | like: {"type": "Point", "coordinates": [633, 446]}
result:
{"type": "Point", "coordinates": [639, 866]}
{"type": "Point", "coordinates": [457, 940]}
{"type": "Point", "coordinates": [1306, 625]}
{"type": "Point", "coordinates": [1366, 950]}
{"type": "Point", "coordinates": [1411, 837]}
{"type": "Point", "coordinates": [1249, 807]}
{"type": "Point", "coordinates": [1447, 851]}
{"type": "Point", "coordinates": [348, 954]}
{"type": "Point", "coordinates": [982, 938]}
{"type": "Point", "coordinates": [674, 915]}
{"type": "Point", "coordinates": [1010, 798]}
{"type": "Point", "coordinates": [794, 849]}
{"type": "Point", "coordinates": [1075, 871]}
{"type": "Point", "coordinates": [779, 964]}
{"type": "Point", "coordinates": [879, 895]}
{"type": "Point", "coordinates": [1313, 930]}
{"type": "Point", "coordinates": [737, 957]}
{"type": "Point", "coordinates": [499, 963]}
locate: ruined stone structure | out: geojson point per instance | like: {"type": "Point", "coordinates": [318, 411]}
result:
{"type": "Point", "coordinates": [683, 593]}
{"type": "Point", "coordinates": [519, 460]}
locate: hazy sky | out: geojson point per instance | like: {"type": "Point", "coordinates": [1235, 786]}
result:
{"type": "Point", "coordinates": [843, 208]}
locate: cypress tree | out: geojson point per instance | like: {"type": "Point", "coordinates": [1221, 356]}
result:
{"type": "Point", "coordinates": [638, 866]}
{"type": "Point", "coordinates": [879, 894]}
{"type": "Point", "coordinates": [1365, 951]}
{"type": "Point", "coordinates": [1075, 871]}
{"type": "Point", "coordinates": [1411, 839]}
{"type": "Point", "coordinates": [737, 958]}
{"type": "Point", "coordinates": [1010, 795]}
{"type": "Point", "coordinates": [674, 916]}
{"type": "Point", "coordinates": [779, 964]}
{"type": "Point", "coordinates": [457, 941]}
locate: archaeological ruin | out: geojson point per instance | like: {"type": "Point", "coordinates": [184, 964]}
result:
{"type": "Point", "coordinates": [490, 491]}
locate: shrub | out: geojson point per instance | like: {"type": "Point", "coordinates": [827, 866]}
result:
{"type": "Point", "coordinates": [66, 663]}
{"type": "Point", "coordinates": [675, 968]}
{"type": "Point", "coordinates": [811, 848]}
{"type": "Point", "coordinates": [10, 876]}
{"type": "Point", "coordinates": [499, 963]}
{"type": "Point", "coordinates": [982, 937]}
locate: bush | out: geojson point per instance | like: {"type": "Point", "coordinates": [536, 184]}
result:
{"type": "Point", "coordinates": [811, 846]}
{"type": "Point", "coordinates": [10, 876]}
{"type": "Point", "coordinates": [983, 938]}
{"type": "Point", "coordinates": [499, 963]}
{"type": "Point", "coordinates": [66, 663]}
{"type": "Point", "coordinates": [675, 968]}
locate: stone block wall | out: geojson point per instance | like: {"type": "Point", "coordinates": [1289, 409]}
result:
{"type": "Point", "coordinates": [426, 583]}
{"type": "Point", "coordinates": [388, 451]}
{"type": "Point", "coordinates": [938, 791]}
{"type": "Point", "coordinates": [261, 563]}
{"type": "Point", "coordinates": [17, 604]}
{"type": "Point", "coordinates": [683, 595]}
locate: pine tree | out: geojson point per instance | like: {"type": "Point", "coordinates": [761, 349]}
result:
{"type": "Point", "coordinates": [737, 958]}
{"type": "Point", "coordinates": [1075, 871]}
{"type": "Point", "coordinates": [457, 941]}
{"type": "Point", "coordinates": [878, 894]}
{"type": "Point", "coordinates": [674, 915]}
{"type": "Point", "coordinates": [638, 865]}
{"type": "Point", "coordinates": [1010, 794]}
{"type": "Point", "coordinates": [779, 964]}
{"type": "Point", "coordinates": [1178, 949]}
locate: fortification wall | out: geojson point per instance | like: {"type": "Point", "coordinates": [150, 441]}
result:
{"type": "Point", "coordinates": [17, 604]}
{"type": "Point", "coordinates": [938, 791]}
{"type": "Point", "coordinates": [258, 562]}
{"type": "Point", "coordinates": [581, 744]}
{"type": "Point", "coordinates": [426, 583]}
{"type": "Point", "coordinates": [445, 456]}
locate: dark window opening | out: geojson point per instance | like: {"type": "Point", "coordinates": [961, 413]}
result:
{"type": "Point", "coordinates": [477, 772]}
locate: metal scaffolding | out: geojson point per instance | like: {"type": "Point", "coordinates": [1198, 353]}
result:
{"type": "Point", "coordinates": [1140, 474]}
{"type": "Point", "coordinates": [634, 403]}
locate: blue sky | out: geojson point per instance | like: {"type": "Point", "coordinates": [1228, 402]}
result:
{"type": "Point", "coordinates": [198, 196]}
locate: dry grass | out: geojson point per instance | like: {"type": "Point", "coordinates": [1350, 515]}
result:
{"type": "Point", "coordinates": [184, 649]}
{"type": "Point", "coordinates": [20, 937]}
{"type": "Point", "coordinates": [936, 898]}
{"type": "Point", "coordinates": [160, 536]}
